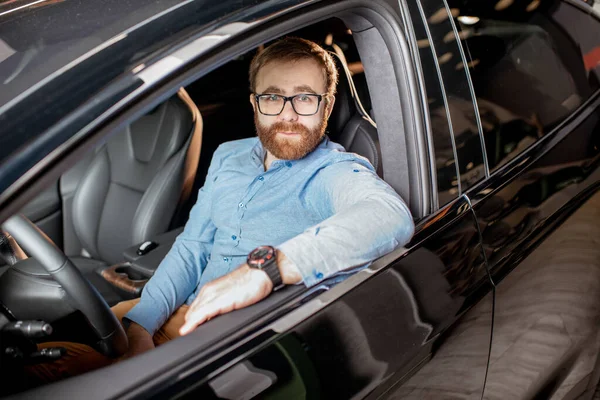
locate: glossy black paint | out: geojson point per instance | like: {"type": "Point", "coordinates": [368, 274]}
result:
{"type": "Point", "coordinates": [418, 322]}
{"type": "Point", "coordinates": [534, 182]}
{"type": "Point", "coordinates": [545, 333]}
{"type": "Point", "coordinates": [552, 182]}
{"type": "Point", "coordinates": [357, 348]}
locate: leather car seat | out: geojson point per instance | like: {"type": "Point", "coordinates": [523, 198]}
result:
{"type": "Point", "coordinates": [133, 185]}
{"type": "Point", "coordinates": [349, 127]}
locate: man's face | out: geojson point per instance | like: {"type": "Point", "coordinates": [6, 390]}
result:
{"type": "Point", "coordinates": [290, 136]}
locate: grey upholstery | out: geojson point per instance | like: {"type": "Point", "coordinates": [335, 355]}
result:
{"type": "Point", "coordinates": [360, 137]}
{"type": "Point", "coordinates": [134, 184]}
{"type": "Point", "coordinates": [350, 129]}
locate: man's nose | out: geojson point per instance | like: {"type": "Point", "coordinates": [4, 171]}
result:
{"type": "Point", "coordinates": [288, 113]}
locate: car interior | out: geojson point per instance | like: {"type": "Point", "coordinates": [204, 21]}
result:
{"type": "Point", "coordinates": [143, 181]}
{"type": "Point", "coordinates": [116, 213]}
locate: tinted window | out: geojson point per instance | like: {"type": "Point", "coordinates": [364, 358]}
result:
{"type": "Point", "coordinates": [532, 64]}
{"type": "Point", "coordinates": [445, 152]}
{"type": "Point", "coordinates": [458, 99]}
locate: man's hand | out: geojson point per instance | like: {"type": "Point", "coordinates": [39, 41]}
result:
{"type": "Point", "coordinates": [238, 289]}
{"type": "Point", "coordinates": [140, 341]}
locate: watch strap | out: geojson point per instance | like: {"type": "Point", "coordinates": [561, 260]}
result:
{"type": "Point", "coordinates": [273, 273]}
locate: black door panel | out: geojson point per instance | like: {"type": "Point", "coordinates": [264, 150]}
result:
{"type": "Point", "coordinates": [546, 338]}
{"type": "Point", "coordinates": [372, 339]}
{"type": "Point", "coordinates": [545, 333]}
{"type": "Point", "coordinates": [514, 216]}
{"type": "Point", "coordinates": [534, 74]}
{"type": "Point", "coordinates": [460, 363]}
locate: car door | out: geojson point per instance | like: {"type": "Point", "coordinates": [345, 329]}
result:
{"type": "Point", "coordinates": [368, 335]}
{"type": "Point", "coordinates": [534, 71]}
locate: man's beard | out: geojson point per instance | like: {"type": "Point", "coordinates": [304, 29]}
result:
{"type": "Point", "coordinates": [290, 148]}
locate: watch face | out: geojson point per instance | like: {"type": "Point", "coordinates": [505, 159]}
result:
{"type": "Point", "coordinates": [259, 256]}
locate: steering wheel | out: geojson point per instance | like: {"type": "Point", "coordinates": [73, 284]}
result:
{"type": "Point", "coordinates": [108, 331]}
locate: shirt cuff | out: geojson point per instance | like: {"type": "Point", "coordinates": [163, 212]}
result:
{"type": "Point", "coordinates": [146, 314]}
{"type": "Point", "coordinates": [309, 261]}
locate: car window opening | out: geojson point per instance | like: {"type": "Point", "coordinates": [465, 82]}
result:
{"type": "Point", "coordinates": [119, 260]}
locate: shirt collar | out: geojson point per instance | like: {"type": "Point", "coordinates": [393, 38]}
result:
{"type": "Point", "coordinates": [258, 153]}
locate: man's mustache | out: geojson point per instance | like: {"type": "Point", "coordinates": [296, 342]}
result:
{"type": "Point", "coordinates": [289, 127]}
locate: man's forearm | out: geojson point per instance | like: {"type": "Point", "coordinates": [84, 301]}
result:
{"type": "Point", "coordinates": [350, 238]}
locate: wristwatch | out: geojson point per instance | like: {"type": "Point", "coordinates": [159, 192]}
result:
{"type": "Point", "coordinates": [265, 259]}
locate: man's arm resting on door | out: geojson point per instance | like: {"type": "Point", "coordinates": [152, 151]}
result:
{"type": "Point", "coordinates": [369, 220]}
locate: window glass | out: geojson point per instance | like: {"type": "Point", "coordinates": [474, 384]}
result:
{"type": "Point", "coordinates": [459, 101]}
{"type": "Point", "coordinates": [532, 64]}
{"type": "Point", "coordinates": [447, 174]}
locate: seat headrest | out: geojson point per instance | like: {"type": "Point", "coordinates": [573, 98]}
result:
{"type": "Point", "coordinates": [344, 107]}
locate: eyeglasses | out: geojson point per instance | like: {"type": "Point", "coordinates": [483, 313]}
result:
{"type": "Point", "coordinates": [304, 104]}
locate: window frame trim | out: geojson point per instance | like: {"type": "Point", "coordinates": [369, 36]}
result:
{"type": "Point", "coordinates": [427, 128]}
{"type": "Point", "coordinates": [444, 95]}
{"type": "Point", "coordinates": [463, 57]}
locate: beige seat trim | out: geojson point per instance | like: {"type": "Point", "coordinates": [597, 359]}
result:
{"type": "Point", "coordinates": [193, 153]}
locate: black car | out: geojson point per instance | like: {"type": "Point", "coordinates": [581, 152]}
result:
{"type": "Point", "coordinates": [483, 116]}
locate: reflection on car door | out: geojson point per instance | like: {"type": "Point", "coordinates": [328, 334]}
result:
{"type": "Point", "coordinates": [547, 309]}
{"type": "Point", "coordinates": [376, 329]}
{"type": "Point", "coordinates": [539, 106]}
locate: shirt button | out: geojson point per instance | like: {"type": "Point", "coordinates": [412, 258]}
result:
{"type": "Point", "coordinates": [288, 164]}
{"type": "Point", "coordinates": [241, 205]}
{"type": "Point", "coordinates": [225, 259]}
{"type": "Point", "coordinates": [261, 178]}
{"type": "Point", "coordinates": [233, 237]}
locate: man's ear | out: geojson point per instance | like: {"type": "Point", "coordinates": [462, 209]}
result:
{"type": "Point", "coordinates": [330, 103]}
{"type": "Point", "coordinates": [253, 101]}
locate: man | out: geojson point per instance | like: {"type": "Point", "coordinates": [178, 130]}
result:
{"type": "Point", "coordinates": [321, 209]}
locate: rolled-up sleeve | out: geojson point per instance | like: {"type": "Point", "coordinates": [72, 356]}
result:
{"type": "Point", "coordinates": [368, 219]}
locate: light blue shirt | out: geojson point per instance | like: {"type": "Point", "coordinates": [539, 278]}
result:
{"type": "Point", "coordinates": [327, 212]}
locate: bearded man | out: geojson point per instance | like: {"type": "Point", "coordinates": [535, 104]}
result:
{"type": "Point", "coordinates": [286, 207]}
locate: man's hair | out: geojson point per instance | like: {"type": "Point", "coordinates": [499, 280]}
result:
{"type": "Point", "coordinates": [294, 49]}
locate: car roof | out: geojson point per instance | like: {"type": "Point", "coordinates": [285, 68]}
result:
{"type": "Point", "coordinates": [64, 63]}
{"type": "Point", "coordinates": [38, 38]}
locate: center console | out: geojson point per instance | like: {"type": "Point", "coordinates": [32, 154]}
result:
{"type": "Point", "coordinates": [140, 262]}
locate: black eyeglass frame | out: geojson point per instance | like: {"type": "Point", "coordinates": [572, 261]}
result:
{"type": "Point", "coordinates": [320, 98]}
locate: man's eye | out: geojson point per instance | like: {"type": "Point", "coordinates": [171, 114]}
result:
{"type": "Point", "coordinates": [272, 97]}
{"type": "Point", "coordinates": [304, 98]}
